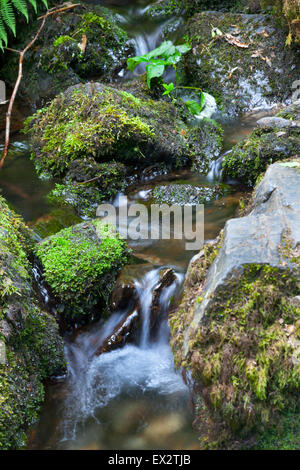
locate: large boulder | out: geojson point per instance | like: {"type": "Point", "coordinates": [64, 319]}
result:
{"type": "Point", "coordinates": [241, 60]}
{"type": "Point", "coordinates": [80, 265]}
{"type": "Point", "coordinates": [237, 329]}
{"type": "Point", "coordinates": [100, 122]}
{"type": "Point", "coordinates": [29, 336]}
{"type": "Point", "coordinates": [74, 46]}
{"type": "Point", "coordinates": [275, 138]}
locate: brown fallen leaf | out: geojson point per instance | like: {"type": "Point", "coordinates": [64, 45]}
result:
{"type": "Point", "coordinates": [83, 43]}
{"type": "Point", "coordinates": [234, 41]}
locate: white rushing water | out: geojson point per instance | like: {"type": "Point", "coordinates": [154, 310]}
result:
{"type": "Point", "coordinates": [95, 381]}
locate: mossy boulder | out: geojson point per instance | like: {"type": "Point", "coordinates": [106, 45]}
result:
{"type": "Point", "coordinates": [246, 64]}
{"type": "Point", "coordinates": [87, 183]}
{"type": "Point", "coordinates": [182, 194]}
{"type": "Point", "coordinates": [74, 46]}
{"type": "Point", "coordinates": [101, 124]}
{"type": "Point", "coordinates": [266, 145]}
{"type": "Point", "coordinates": [80, 265]}
{"type": "Point", "coordinates": [237, 330]}
{"type": "Point", "coordinates": [34, 349]}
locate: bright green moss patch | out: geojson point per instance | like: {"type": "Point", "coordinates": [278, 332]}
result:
{"type": "Point", "coordinates": [80, 265]}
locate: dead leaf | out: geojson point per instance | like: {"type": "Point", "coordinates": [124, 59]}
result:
{"type": "Point", "coordinates": [83, 43]}
{"type": "Point", "coordinates": [234, 41]}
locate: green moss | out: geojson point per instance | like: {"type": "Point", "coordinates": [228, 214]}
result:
{"type": "Point", "coordinates": [250, 158]}
{"type": "Point", "coordinates": [245, 357]}
{"type": "Point", "coordinates": [84, 43]}
{"type": "Point", "coordinates": [80, 265]}
{"type": "Point", "coordinates": [96, 121]}
{"type": "Point", "coordinates": [34, 348]}
{"type": "Point", "coordinates": [285, 435]}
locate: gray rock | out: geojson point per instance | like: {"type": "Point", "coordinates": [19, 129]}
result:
{"type": "Point", "coordinates": [273, 121]}
{"type": "Point", "coordinates": [256, 238]}
{"type": "Point", "coordinates": [245, 66]}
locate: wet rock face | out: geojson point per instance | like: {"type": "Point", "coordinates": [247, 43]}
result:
{"type": "Point", "coordinates": [245, 65]}
{"type": "Point", "coordinates": [187, 194]}
{"type": "Point", "coordinates": [276, 138]}
{"type": "Point", "coordinates": [73, 47]}
{"type": "Point", "coordinates": [240, 338]}
{"type": "Point", "coordinates": [34, 349]}
{"type": "Point", "coordinates": [80, 266]}
{"type": "Point", "coordinates": [103, 123]}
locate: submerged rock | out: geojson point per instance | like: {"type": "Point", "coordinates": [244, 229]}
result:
{"type": "Point", "coordinates": [33, 347]}
{"type": "Point", "coordinates": [74, 46]}
{"type": "Point", "coordinates": [94, 121]}
{"type": "Point", "coordinates": [237, 329]}
{"type": "Point", "coordinates": [80, 265]}
{"type": "Point", "coordinates": [183, 194]}
{"type": "Point", "coordinates": [244, 63]}
{"type": "Point", "coordinates": [275, 139]}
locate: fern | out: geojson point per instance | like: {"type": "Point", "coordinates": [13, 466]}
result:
{"type": "Point", "coordinates": [8, 11]}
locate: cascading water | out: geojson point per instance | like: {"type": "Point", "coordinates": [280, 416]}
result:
{"type": "Point", "coordinates": [97, 386]}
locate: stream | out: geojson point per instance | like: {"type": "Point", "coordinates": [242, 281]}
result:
{"type": "Point", "coordinates": [129, 398]}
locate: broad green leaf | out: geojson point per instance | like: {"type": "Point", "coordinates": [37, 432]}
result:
{"type": "Point", "coordinates": [193, 107]}
{"type": "Point", "coordinates": [134, 61]}
{"type": "Point", "coordinates": [154, 71]}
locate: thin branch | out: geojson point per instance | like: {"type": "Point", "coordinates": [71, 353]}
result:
{"type": "Point", "coordinates": [20, 74]}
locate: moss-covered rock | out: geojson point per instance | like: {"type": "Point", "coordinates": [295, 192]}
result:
{"type": "Point", "coordinates": [73, 46]}
{"type": "Point", "coordinates": [237, 330]}
{"type": "Point", "coordinates": [245, 65]}
{"type": "Point", "coordinates": [34, 349]}
{"type": "Point", "coordinates": [80, 265]}
{"type": "Point", "coordinates": [87, 183]}
{"type": "Point", "coordinates": [94, 123]}
{"type": "Point", "coordinates": [266, 145]}
{"type": "Point", "coordinates": [187, 194]}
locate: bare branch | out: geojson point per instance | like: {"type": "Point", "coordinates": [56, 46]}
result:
{"type": "Point", "coordinates": [53, 11]}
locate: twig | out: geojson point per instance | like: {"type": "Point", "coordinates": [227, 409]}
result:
{"type": "Point", "coordinates": [20, 74]}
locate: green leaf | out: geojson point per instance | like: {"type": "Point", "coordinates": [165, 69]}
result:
{"type": "Point", "coordinates": [193, 107]}
{"type": "Point", "coordinates": [169, 88]}
{"type": "Point", "coordinates": [183, 48]}
{"type": "Point", "coordinates": [21, 6]}
{"type": "Point", "coordinates": [154, 71]}
{"type": "Point", "coordinates": [134, 61]}
{"type": "Point", "coordinates": [8, 15]}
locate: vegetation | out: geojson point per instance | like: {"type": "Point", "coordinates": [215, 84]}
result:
{"type": "Point", "coordinates": [167, 55]}
{"type": "Point", "coordinates": [80, 265]}
{"type": "Point", "coordinates": [33, 347]}
{"type": "Point", "coordinates": [245, 357]}
{"type": "Point", "coordinates": [8, 11]}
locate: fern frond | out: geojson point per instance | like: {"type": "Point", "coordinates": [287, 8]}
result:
{"type": "Point", "coordinates": [8, 9]}
{"type": "Point", "coordinates": [8, 15]}
{"type": "Point", "coordinates": [21, 6]}
{"type": "Point", "coordinates": [33, 3]}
